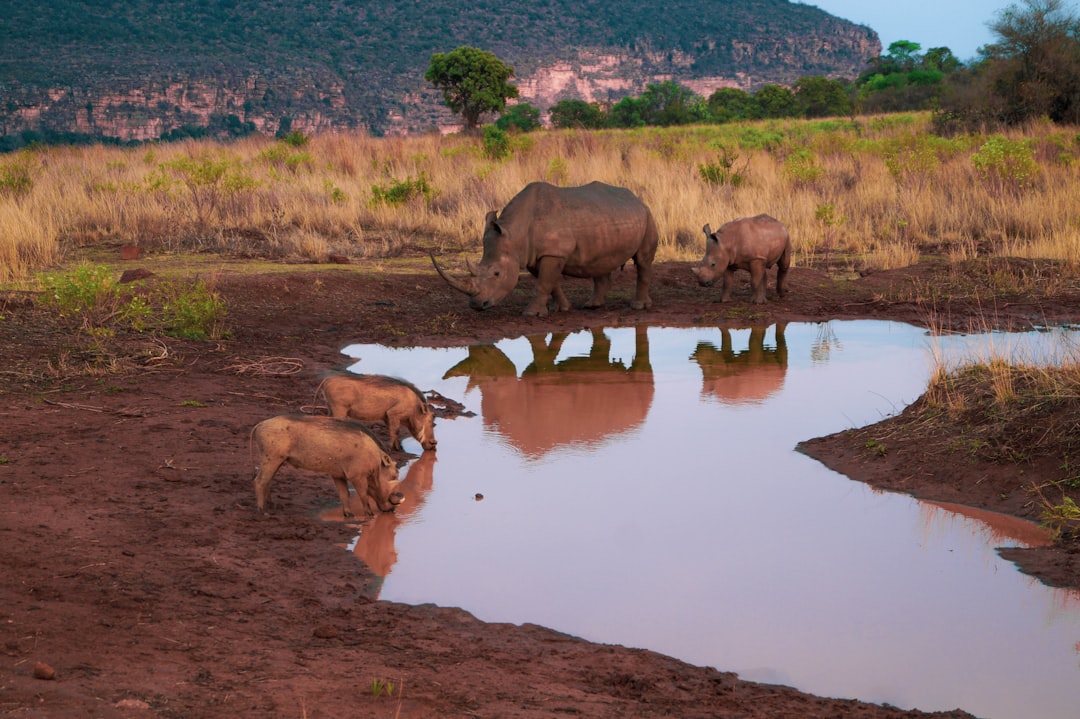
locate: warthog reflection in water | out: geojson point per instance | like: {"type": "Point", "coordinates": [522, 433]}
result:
{"type": "Point", "coordinates": [748, 376]}
{"type": "Point", "coordinates": [583, 400]}
{"type": "Point", "coordinates": [375, 546]}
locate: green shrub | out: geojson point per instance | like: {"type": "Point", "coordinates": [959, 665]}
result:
{"type": "Point", "coordinates": [191, 311]}
{"type": "Point", "coordinates": [1011, 162]}
{"type": "Point", "coordinates": [296, 139]}
{"type": "Point", "coordinates": [801, 167]}
{"type": "Point", "coordinates": [398, 192]}
{"type": "Point", "coordinates": [720, 172]}
{"type": "Point", "coordinates": [88, 294]}
{"type": "Point", "coordinates": [91, 299]}
{"type": "Point", "coordinates": [496, 143]}
{"type": "Point", "coordinates": [911, 157]}
{"type": "Point", "coordinates": [16, 176]}
{"type": "Point", "coordinates": [209, 180]}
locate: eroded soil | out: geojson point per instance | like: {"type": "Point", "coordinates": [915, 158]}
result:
{"type": "Point", "coordinates": [137, 569]}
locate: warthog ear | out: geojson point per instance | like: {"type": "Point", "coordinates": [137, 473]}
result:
{"type": "Point", "coordinates": [386, 461]}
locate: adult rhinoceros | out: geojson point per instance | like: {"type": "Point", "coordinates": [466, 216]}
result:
{"type": "Point", "coordinates": [587, 231]}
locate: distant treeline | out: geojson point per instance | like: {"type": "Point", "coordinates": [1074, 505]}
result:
{"type": "Point", "coordinates": [1032, 71]}
{"type": "Point", "coordinates": [902, 80]}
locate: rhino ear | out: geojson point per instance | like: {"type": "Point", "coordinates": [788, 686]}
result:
{"type": "Point", "coordinates": [707, 229]}
{"type": "Point", "coordinates": [489, 220]}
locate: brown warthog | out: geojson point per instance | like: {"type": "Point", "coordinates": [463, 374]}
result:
{"type": "Point", "coordinates": [376, 398]}
{"type": "Point", "coordinates": [749, 243]}
{"type": "Point", "coordinates": [587, 231]}
{"type": "Point", "coordinates": [344, 449]}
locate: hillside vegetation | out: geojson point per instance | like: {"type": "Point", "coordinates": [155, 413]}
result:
{"type": "Point", "coordinates": [357, 62]}
{"type": "Point", "coordinates": [857, 195]}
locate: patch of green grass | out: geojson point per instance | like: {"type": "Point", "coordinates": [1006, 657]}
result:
{"type": "Point", "coordinates": [380, 687]}
{"type": "Point", "coordinates": [1061, 519]}
{"type": "Point", "coordinates": [876, 447]}
{"type": "Point", "coordinates": [90, 299]}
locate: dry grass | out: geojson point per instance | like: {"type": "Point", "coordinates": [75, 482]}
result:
{"type": "Point", "coordinates": [876, 192]}
{"type": "Point", "coordinates": [1000, 406]}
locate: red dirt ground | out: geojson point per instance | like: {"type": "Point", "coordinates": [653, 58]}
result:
{"type": "Point", "coordinates": [136, 568]}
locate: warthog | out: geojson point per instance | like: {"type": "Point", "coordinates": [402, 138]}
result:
{"type": "Point", "coordinates": [588, 231]}
{"type": "Point", "coordinates": [344, 449]}
{"type": "Point", "coordinates": [376, 398]}
{"type": "Point", "coordinates": [749, 243]}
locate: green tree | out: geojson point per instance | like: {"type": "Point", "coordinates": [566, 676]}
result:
{"type": "Point", "coordinates": [729, 104]}
{"type": "Point", "coordinates": [1034, 67]}
{"type": "Point", "coordinates": [774, 101]}
{"type": "Point", "coordinates": [669, 103]}
{"type": "Point", "coordinates": [822, 97]}
{"type": "Point", "coordinates": [1031, 70]}
{"type": "Point", "coordinates": [577, 113]}
{"type": "Point", "coordinates": [904, 54]}
{"type": "Point", "coordinates": [628, 112]}
{"type": "Point", "coordinates": [472, 82]}
{"type": "Point", "coordinates": [941, 59]}
{"type": "Point", "coordinates": [905, 80]}
{"type": "Point", "coordinates": [521, 117]}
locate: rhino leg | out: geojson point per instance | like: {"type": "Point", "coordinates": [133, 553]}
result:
{"type": "Point", "coordinates": [781, 273]}
{"type": "Point", "coordinates": [644, 278]}
{"type": "Point", "coordinates": [548, 275]}
{"type": "Point", "coordinates": [601, 286]}
{"type": "Point", "coordinates": [729, 283]}
{"type": "Point", "coordinates": [561, 303]}
{"type": "Point", "coordinates": [757, 282]}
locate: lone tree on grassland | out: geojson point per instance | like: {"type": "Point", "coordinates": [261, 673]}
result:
{"type": "Point", "coordinates": [472, 82]}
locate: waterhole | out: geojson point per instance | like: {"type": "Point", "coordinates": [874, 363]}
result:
{"type": "Point", "coordinates": [640, 486]}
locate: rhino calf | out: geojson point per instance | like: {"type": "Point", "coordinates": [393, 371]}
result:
{"type": "Point", "coordinates": [749, 243]}
{"type": "Point", "coordinates": [343, 449]}
{"type": "Point", "coordinates": [376, 398]}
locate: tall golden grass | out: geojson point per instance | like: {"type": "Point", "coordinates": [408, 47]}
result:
{"type": "Point", "coordinates": [878, 192]}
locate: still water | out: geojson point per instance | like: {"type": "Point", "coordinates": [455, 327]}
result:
{"type": "Point", "coordinates": [640, 486]}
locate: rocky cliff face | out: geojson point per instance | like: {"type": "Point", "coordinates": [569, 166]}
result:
{"type": "Point", "coordinates": [147, 104]}
{"type": "Point", "coordinates": [606, 77]}
{"type": "Point", "coordinates": [133, 110]}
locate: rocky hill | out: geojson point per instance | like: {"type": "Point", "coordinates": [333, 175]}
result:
{"type": "Point", "coordinates": [141, 69]}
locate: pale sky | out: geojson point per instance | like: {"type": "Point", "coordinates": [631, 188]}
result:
{"type": "Point", "coordinates": [959, 25]}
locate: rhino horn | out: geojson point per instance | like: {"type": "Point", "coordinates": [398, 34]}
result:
{"type": "Point", "coordinates": [460, 286]}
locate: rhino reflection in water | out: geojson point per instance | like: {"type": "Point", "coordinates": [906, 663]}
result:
{"type": "Point", "coordinates": [745, 377]}
{"type": "Point", "coordinates": [578, 400]}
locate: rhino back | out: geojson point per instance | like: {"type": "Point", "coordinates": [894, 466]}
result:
{"type": "Point", "coordinates": [752, 238]}
{"type": "Point", "coordinates": [595, 227]}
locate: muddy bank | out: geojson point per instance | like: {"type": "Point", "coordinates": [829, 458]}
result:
{"type": "Point", "coordinates": [139, 571]}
